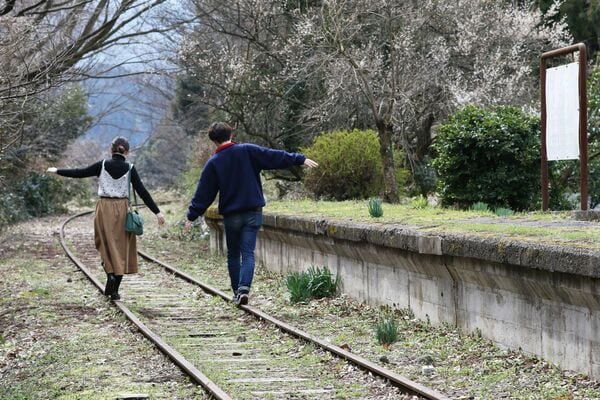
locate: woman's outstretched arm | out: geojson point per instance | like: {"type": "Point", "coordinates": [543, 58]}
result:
{"type": "Point", "coordinates": [92, 170]}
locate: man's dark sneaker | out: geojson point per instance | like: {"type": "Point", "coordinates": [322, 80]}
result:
{"type": "Point", "coordinates": [242, 299]}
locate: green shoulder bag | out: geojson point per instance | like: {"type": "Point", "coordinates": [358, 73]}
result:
{"type": "Point", "coordinates": [134, 222]}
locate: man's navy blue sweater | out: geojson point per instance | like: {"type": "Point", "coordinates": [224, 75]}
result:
{"type": "Point", "coordinates": [234, 172]}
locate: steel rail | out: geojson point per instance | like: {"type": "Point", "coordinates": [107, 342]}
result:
{"type": "Point", "coordinates": [398, 380]}
{"type": "Point", "coordinates": [187, 367]}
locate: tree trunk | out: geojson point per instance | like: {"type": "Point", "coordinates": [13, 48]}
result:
{"type": "Point", "coordinates": [423, 137]}
{"type": "Point", "coordinates": [390, 191]}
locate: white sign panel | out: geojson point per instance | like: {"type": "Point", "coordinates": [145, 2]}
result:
{"type": "Point", "coordinates": [562, 112]}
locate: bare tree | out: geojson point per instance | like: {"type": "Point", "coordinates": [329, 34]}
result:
{"type": "Point", "coordinates": [288, 69]}
{"type": "Point", "coordinates": [402, 65]}
{"type": "Point", "coordinates": [44, 44]}
{"type": "Point", "coordinates": [238, 56]}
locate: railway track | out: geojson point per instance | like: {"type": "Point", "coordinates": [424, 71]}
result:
{"type": "Point", "coordinates": [233, 352]}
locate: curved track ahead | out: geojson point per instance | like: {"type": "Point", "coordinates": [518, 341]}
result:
{"type": "Point", "coordinates": [254, 355]}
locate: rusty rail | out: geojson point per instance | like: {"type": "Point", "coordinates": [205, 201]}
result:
{"type": "Point", "coordinates": [406, 385]}
{"type": "Point", "coordinates": [398, 380]}
{"type": "Point", "coordinates": [170, 352]}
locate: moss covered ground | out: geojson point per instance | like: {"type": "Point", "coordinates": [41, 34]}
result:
{"type": "Point", "coordinates": [466, 366]}
{"type": "Point", "coordinates": [61, 339]}
{"type": "Point", "coordinates": [537, 227]}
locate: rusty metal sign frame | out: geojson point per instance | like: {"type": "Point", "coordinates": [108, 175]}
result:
{"type": "Point", "coordinates": [583, 139]}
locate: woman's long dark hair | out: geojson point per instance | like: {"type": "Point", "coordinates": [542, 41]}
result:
{"type": "Point", "coordinates": [119, 145]}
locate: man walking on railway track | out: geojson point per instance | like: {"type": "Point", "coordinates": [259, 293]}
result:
{"type": "Point", "coordinates": [234, 172]}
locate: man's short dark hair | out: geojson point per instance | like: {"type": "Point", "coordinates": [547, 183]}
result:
{"type": "Point", "coordinates": [220, 132]}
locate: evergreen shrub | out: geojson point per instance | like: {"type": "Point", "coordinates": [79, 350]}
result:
{"type": "Point", "coordinates": [11, 209]}
{"type": "Point", "coordinates": [490, 156]}
{"type": "Point", "coordinates": [349, 165]}
{"type": "Point", "coordinates": [36, 195]}
{"type": "Point", "coordinates": [42, 194]}
{"type": "Point", "coordinates": [593, 94]}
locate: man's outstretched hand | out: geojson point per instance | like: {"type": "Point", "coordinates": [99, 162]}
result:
{"type": "Point", "coordinates": [310, 163]}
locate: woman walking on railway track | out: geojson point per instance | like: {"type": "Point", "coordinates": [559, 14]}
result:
{"type": "Point", "coordinates": [117, 248]}
{"type": "Point", "coordinates": [234, 172]}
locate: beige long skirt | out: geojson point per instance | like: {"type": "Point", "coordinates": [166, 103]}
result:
{"type": "Point", "coordinates": [117, 248]}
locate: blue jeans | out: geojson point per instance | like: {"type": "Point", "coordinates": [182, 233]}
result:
{"type": "Point", "coordinates": [240, 236]}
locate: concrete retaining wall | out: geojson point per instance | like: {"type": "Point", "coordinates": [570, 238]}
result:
{"type": "Point", "coordinates": [542, 299]}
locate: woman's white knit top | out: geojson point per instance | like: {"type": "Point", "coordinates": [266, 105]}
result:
{"type": "Point", "coordinates": [110, 187]}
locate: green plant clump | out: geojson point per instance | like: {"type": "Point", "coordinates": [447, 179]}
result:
{"type": "Point", "coordinates": [490, 156]}
{"type": "Point", "coordinates": [298, 284]}
{"type": "Point", "coordinates": [419, 203]}
{"type": "Point", "coordinates": [350, 165]}
{"type": "Point", "coordinates": [375, 208]}
{"type": "Point", "coordinates": [314, 283]}
{"type": "Point", "coordinates": [503, 212]}
{"type": "Point", "coordinates": [386, 331]}
{"type": "Point", "coordinates": [480, 207]}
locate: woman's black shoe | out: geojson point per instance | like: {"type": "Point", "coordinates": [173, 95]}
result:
{"type": "Point", "coordinates": [110, 284]}
{"type": "Point", "coordinates": [115, 293]}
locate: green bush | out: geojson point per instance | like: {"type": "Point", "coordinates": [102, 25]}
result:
{"type": "Point", "coordinates": [593, 92]}
{"type": "Point", "coordinates": [36, 195]}
{"type": "Point", "coordinates": [424, 177]}
{"type": "Point", "coordinates": [11, 209]}
{"type": "Point", "coordinates": [322, 282]}
{"type": "Point", "coordinates": [50, 123]}
{"type": "Point", "coordinates": [187, 180]}
{"type": "Point", "coordinates": [314, 283]}
{"type": "Point", "coordinates": [565, 194]}
{"type": "Point", "coordinates": [350, 166]}
{"type": "Point", "coordinates": [594, 174]}
{"type": "Point", "coordinates": [490, 156]}
{"type": "Point", "coordinates": [41, 195]}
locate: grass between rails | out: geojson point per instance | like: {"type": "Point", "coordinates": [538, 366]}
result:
{"type": "Point", "coordinates": [538, 227]}
{"type": "Point", "coordinates": [466, 365]}
{"type": "Point", "coordinates": [214, 315]}
{"type": "Point", "coordinates": [61, 339]}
